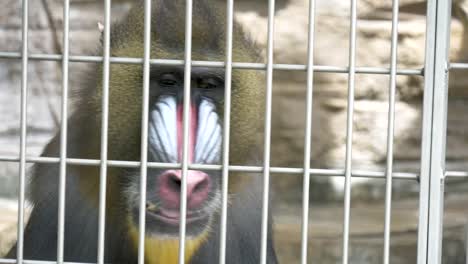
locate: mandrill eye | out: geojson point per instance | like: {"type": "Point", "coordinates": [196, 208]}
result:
{"type": "Point", "coordinates": [168, 80]}
{"type": "Point", "coordinates": [209, 83]}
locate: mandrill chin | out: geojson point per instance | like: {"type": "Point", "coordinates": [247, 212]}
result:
{"type": "Point", "coordinates": [165, 143]}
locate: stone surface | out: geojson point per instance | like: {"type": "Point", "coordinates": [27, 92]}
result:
{"type": "Point", "coordinates": [8, 221]}
{"type": "Point", "coordinates": [366, 232]}
{"type": "Point", "coordinates": [44, 94]}
{"type": "Point", "coordinates": [371, 92]}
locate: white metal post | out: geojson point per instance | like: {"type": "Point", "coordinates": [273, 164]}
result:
{"type": "Point", "coordinates": [434, 132]}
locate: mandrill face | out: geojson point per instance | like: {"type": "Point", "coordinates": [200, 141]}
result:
{"type": "Point", "coordinates": [165, 117]}
{"type": "Point", "coordinates": [165, 144]}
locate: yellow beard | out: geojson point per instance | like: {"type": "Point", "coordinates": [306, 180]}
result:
{"type": "Point", "coordinates": [166, 251]}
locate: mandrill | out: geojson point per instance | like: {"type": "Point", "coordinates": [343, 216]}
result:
{"type": "Point", "coordinates": [164, 145]}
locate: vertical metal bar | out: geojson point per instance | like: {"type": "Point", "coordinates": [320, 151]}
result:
{"type": "Point", "coordinates": [434, 132]}
{"type": "Point", "coordinates": [308, 133]}
{"type": "Point", "coordinates": [63, 134]}
{"type": "Point", "coordinates": [466, 243]}
{"type": "Point", "coordinates": [227, 129]}
{"type": "Point", "coordinates": [267, 139]}
{"type": "Point", "coordinates": [104, 128]}
{"type": "Point", "coordinates": [144, 131]}
{"type": "Point", "coordinates": [349, 130]}
{"type": "Point", "coordinates": [390, 133]}
{"type": "Point", "coordinates": [426, 133]}
{"type": "Point", "coordinates": [23, 127]}
{"type": "Point", "coordinates": [185, 160]}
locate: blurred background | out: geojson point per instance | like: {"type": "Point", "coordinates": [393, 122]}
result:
{"type": "Point", "coordinates": [329, 117]}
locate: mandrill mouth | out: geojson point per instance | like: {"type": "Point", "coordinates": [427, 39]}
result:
{"type": "Point", "coordinates": [166, 222]}
{"type": "Point", "coordinates": [172, 217]}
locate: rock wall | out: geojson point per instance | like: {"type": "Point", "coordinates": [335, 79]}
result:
{"type": "Point", "coordinates": [44, 87]}
{"type": "Point", "coordinates": [373, 46]}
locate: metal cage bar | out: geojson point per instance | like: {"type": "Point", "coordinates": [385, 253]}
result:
{"type": "Point", "coordinates": [27, 261]}
{"type": "Point", "coordinates": [23, 127]}
{"type": "Point", "coordinates": [267, 129]}
{"type": "Point", "coordinates": [226, 129]}
{"type": "Point", "coordinates": [390, 133]}
{"type": "Point", "coordinates": [308, 132]}
{"type": "Point", "coordinates": [186, 127]}
{"type": "Point", "coordinates": [214, 64]}
{"type": "Point", "coordinates": [349, 130]}
{"type": "Point", "coordinates": [104, 132]}
{"type": "Point", "coordinates": [144, 131]}
{"type": "Point", "coordinates": [434, 132]}
{"type": "Point", "coordinates": [236, 168]}
{"type": "Point", "coordinates": [458, 66]}
{"type": "Point", "coordinates": [63, 134]}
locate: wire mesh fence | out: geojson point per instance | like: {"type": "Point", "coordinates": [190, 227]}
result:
{"type": "Point", "coordinates": [430, 178]}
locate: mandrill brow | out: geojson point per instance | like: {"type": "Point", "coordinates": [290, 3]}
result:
{"type": "Point", "coordinates": [165, 145]}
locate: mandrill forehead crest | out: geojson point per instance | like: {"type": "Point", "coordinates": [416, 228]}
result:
{"type": "Point", "coordinates": [168, 33]}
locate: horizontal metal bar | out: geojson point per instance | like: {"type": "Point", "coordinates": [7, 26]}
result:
{"type": "Point", "coordinates": [233, 168]}
{"type": "Point", "coordinates": [13, 261]}
{"type": "Point", "coordinates": [456, 174]}
{"type": "Point", "coordinates": [458, 66]}
{"type": "Point", "coordinates": [213, 64]}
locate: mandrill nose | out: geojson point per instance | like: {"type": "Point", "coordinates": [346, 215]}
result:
{"type": "Point", "coordinates": [198, 187]}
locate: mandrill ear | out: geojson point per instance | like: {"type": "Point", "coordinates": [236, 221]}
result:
{"type": "Point", "coordinates": [101, 32]}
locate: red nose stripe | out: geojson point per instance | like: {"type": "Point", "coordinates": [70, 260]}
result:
{"type": "Point", "coordinates": [192, 130]}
